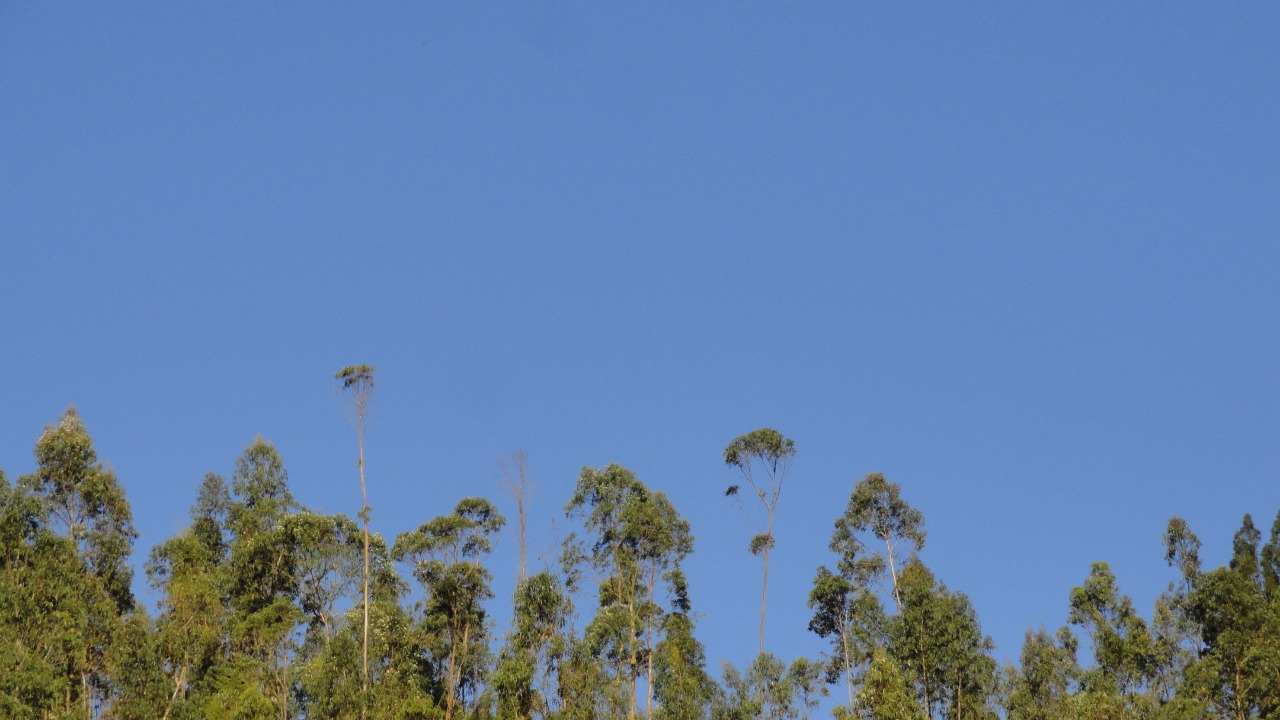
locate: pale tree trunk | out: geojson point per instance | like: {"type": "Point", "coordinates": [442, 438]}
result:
{"type": "Point", "coordinates": [631, 650]}
{"type": "Point", "coordinates": [893, 573]}
{"type": "Point", "coordinates": [516, 471]}
{"type": "Point", "coordinates": [364, 516]}
{"type": "Point", "coordinates": [648, 642]}
{"type": "Point", "coordinates": [768, 548]}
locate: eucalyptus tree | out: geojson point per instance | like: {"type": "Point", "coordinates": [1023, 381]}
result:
{"type": "Point", "coordinates": [1122, 644]}
{"type": "Point", "coordinates": [1237, 674]}
{"type": "Point", "coordinates": [331, 677]}
{"type": "Point", "coordinates": [41, 638]}
{"type": "Point", "coordinates": [140, 689]}
{"type": "Point", "coordinates": [83, 503]}
{"type": "Point", "coordinates": [938, 642]}
{"type": "Point", "coordinates": [359, 380]}
{"type": "Point", "coordinates": [639, 540]}
{"type": "Point", "coordinates": [876, 508]}
{"type": "Point", "coordinates": [190, 573]}
{"type": "Point", "coordinates": [1175, 635]}
{"type": "Point", "coordinates": [446, 554]}
{"type": "Point", "coordinates": [853, 620]}
{"type": "Point", "coordinates": [1269, 559]}
{"type": "Point", "coordinates": [885, 693]}
{"type": "Point", "coordinates": [769, 689]}
{"type": "Point", "coordinates": [763, 457]}
{"type": "Point", "coordinates": [537, 643]}
{"type": "Point", "coordinates": [846, 609]}
{"type": "Point", "coordinates": [684, 689]}
{"type": "Point", "coordinates": [262, 586]}
{"type": "Point", "coordinates": [1042, 682]}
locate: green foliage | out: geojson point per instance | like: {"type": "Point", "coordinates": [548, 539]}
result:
{"type": "Point", "coordinates": [445, 554]}
{"type": "Point", "coordinates": [876, 508]}
{"type": "Point", "coordinates": [1042, 683]}
{"type": "Point", "coordinates": [261, 609]}
{"type": "Point", "coordinates": [938, 643]}
{"type": "Point", "coordinates": [885, 694]}
{"type": "Point", "coordinates": [766, 445]}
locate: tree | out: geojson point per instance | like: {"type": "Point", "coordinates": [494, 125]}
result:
{"type": "Point", "coordinates": [359, 380]}
{"type": "Point", "coordinates": [85, 502]}
{"type": "Point", "coordinates": [938, 643]}
{"type": "Point", "coordinates": [536, 643]}
{"type": "Point", "coordinates": [876, 507]}
{"type": "Point", "coordinates": [1236, 673]}
{"type": "Point", "coordinates": [680, 682]}
{"type": "Point", "coordinates": [847, 614]}
{"type": "Point", "coordinates": [262, 587]}
{"type": "Point", "coordinates": [1122, 645]}
{"type": "Point", "coordinates": [41, 630]}
{"type": "Point", "coordinates": [1043, 679]}
{"type": "Point", "coordinates": [639, 539]}
{"type": "Point", "coordinates": [515, 473]}
{"type": "Point", "coordinates": [1175, 635]}
{"type": "Point", "coordinates": [446, 554]}
{"type": "Point", "coordinates": [768, 451]}
{"type": "Point", "coordinates": [885, 694]}
{"type": "Point", "coordinates": [769, 689]}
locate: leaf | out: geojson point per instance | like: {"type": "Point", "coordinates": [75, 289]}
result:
{"type": "Point", "coordinates": [761, 543]}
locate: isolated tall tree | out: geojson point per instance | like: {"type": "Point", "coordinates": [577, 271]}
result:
{"type": "Point", "coordinates": [359, 380]}
{"type": "Point", "coordinates": [763, 457]}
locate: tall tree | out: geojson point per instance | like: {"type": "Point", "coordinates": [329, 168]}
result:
{"type": "Point", "coordinates": [681, 683]}
{"type": "Point", "coordinates": [1236, 671]}
{"type": "Point", "coordinates": [853, 620]}
{"type": "Point", "coordinates": [359, 380]}
{"type": "Point", "coordinates": [536, 644]}
{"type": "Point", "coordinates": [1121, 641]}
{"type": "Point", "coordinates": [938, 642]}
{"type": "Point", "coordinates": [763, 457]}
{"type": "Point", "coordinates": [86, 505]}
{"type": "Point", "coordinates": [263, 586]}
{"type": "Point", "coordinates": [876, 507]}
{"type": "Point", "coordinates": [639, 540]}
{"type": "Point", "coordinates": [446, 554]}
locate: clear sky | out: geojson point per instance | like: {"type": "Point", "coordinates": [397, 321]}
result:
{"type": "Point", "coordinates": [1022, 258]}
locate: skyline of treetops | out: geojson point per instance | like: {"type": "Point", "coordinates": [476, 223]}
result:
{"type": "Point", "coordinates": [266, 609]}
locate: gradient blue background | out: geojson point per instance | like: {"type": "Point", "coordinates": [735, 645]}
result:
{"type": "Point", "coordinates": [1020, 257]}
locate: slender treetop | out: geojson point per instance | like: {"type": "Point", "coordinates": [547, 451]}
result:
{"type": "Point", "coordinates": [356, 377]}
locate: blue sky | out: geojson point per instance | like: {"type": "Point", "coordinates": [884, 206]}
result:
{"type": "Point", "coordinates": [1021, 258]}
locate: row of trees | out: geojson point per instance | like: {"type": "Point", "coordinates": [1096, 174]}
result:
{"type": "Point", "coordinates": [269, 610]}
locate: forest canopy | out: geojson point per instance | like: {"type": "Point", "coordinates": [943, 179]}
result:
{"type": "Point", "coordinates": [267, 609]}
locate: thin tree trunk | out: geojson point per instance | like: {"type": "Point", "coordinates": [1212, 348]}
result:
{"type": "Point", "coordinates": [631, 650]}
{"type": "Point", "coordinates": [848, 665]}
{"type": "Point", "coordinates": [893, 573]}
{"type": "Point", "coordinates": [764, 589]}
{"type": "Point", "coordinates": [177, 689]}
{"type": "Point", "coordinates": [364, 516]}
{"type": "Point", "coordinates": [648, 642]}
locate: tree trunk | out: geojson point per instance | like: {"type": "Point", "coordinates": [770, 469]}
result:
{"type": "Point", "coordinates": [364, 516]}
